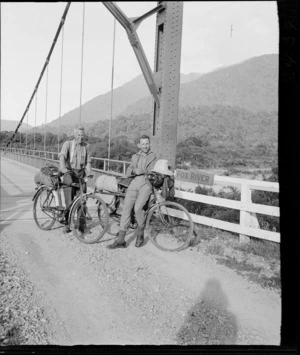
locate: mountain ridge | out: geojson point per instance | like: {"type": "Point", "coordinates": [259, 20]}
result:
{"type": "Point", "coordinates": [249, 84]}
{"type": "Point", "coordinates": [10, 125]}
{"type": "Point", "coordinates": [100, 105]}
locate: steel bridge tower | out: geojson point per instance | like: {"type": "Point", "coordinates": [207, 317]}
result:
{"type": "Point", "coordinates": [164, 82]}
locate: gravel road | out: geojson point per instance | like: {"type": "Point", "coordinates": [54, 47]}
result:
{"type": "Point", "coordinates": [71, 293]}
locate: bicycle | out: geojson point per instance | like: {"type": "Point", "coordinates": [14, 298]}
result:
{"type": "Point", "coordinates": [168, 225]}
{"type": "Point", "coordinates": [83, 215]}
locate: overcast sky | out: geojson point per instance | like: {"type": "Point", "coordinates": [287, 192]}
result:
{"type": "Point", "coordinates": [28, 29]}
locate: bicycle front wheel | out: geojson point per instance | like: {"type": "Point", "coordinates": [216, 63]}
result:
{"type": "Point", "coordinates": [44, 208]}
{"type": "Point", "coordinates": [169, 226]}
{"type": "Point", "coordinates": [89, 219]}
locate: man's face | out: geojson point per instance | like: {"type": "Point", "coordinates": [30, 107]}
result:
{"type": "Point", "coordinates": [144, 145]}
{"type": "Point", "coordinates": [79, 136]}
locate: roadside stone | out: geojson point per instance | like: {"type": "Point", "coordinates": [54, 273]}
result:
{"type": "Point", "coordinates": [18, 312]}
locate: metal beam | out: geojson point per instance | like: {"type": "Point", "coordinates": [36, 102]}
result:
{"type": "Point", "coordinates": [135, 42]}
{"type": "Point", "coordinates": [164, 83]}
{"type": "Point", "coordinates": [138, 20]}
{"type": "Point", "coordinates": [167, 68]}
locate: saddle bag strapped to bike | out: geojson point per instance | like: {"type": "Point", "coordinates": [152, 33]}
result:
{"type": "Point", "coordinates": [164, 183]}
{"type": "Point", "coordinates": [48, 175]}
{"type": "Point", "coordinates": [155, 179]}
{"type": "Point", "coordinates": [106, 184]}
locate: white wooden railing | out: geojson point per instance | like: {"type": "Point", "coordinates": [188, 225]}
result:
{"type": "Point", "coordinates": [248, 226]}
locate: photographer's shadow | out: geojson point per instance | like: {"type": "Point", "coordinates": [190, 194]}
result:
{"type": "Point", "coordinates": [209, 322]}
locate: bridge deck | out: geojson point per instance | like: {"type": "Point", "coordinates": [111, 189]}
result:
{"type": "Point", "coordinates": [17, 190]}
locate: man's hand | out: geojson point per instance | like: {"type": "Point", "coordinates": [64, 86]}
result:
{"type": "Point", "coordinates": [88, 172]}
{"type": "Point", "coordinates": [64, 170]}
{"type": "Point", "coordinates": [138, 171]}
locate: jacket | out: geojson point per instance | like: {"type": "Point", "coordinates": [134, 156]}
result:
{"type": "Point", "coordinates": [151, 159]}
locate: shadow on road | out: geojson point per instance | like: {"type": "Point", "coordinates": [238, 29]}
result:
{"type": "Point", "coordinates": [209, 322]}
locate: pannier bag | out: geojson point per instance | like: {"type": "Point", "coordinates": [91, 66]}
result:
{"type": "Point", "coordinates": [46, 176]}
{"type": "Point", "coordinates": [109, 184]}
{"type": "Point", "coordinates": [156, 179]}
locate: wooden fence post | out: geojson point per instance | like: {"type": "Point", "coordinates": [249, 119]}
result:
{"type": "Point", "coordinates": [247, 219]}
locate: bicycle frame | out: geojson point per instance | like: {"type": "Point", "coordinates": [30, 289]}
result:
{"type": "Point", "coordinates": [62, 186]}
{"type": "Point", "coordinates": [121, 195]}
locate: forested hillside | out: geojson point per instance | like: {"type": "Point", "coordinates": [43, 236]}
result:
{"type": "Point", "coordinates": [218, 136]}
{"type": "Point", "coordinates": [208, 137]}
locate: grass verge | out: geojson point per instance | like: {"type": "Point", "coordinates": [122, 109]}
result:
{"type": "Point", "coordinates": [257, 260]}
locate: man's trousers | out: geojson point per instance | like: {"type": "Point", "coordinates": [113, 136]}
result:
{"type": "Point", "coordinates": [71, 192]}
{"type": "Point", "coordinates": [136, 197]}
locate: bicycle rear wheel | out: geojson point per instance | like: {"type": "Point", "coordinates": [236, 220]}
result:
{"type": "Point", "coordinates": [44, 208]}
{"type": "Point", "coordinates": [89, 219]}
{"type": "Point", "coordinates": [169, 226]}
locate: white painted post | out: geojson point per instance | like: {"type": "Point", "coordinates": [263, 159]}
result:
{"type": "Point", "coordinates": [247, 219]}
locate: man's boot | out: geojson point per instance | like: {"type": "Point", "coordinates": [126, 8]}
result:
{"type": "Point", "coordinates": [120, 242]}
{"type": "Point", "coordinates": [140, 237]}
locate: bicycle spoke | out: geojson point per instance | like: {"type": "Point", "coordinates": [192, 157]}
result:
{"type": "Point", "coordinates": [169, 226]}
{"type": "Point", "coordinates": [43, 209]}
{"type": "Point", "coordinates": [89, 219]}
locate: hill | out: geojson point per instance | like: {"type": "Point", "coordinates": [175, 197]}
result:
{"type": "Point", "coordinates": [9, 125]}
{"type": "Point", "coordinates": [98, 109]}
{"type": "Point", "coordinates": [252, 85]}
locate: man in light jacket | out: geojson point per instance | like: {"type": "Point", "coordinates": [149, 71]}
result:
{"type": "Point", "coordinates": [75, 156]}
{"type": "Point", "coordinates": [137, 193]}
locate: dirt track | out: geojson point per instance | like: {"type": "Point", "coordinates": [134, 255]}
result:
{"type": "Point", "coordinates": [92, 295]}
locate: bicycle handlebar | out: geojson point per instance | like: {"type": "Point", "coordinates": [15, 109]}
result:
{"type": "Point", "coordinates": [59, 174]}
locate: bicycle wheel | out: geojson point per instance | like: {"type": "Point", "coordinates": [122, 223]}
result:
{"type": "Point", "coordinates": [114, 224]}
{"type": "Point", "coordinates": [44, 208]}
{"type": "Point", "coordinates": [169, 226]}
{"type": "Point", "coordinates": [89, 219]}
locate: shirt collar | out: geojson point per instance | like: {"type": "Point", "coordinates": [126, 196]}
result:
{"type": "Point", "coordinates": [142, 153]}
{"type": "Point", "coordinates": [75, 142]}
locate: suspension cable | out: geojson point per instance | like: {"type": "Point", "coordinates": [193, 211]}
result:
{"type": "Point", "coordinates": [82, 45]}
{"type": "Point", "coordinates": [111, 91]}
{"type": "Point", "coordinates": [27, 130]}
{"type": "Point", "coordinates": [43, 70]}
{"type": "Point", "coordinates": [46, 111]}
{"type": "Point", "coordinates": [36, 96]}
{"type": "Point", "coordinates": [60, 96]}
